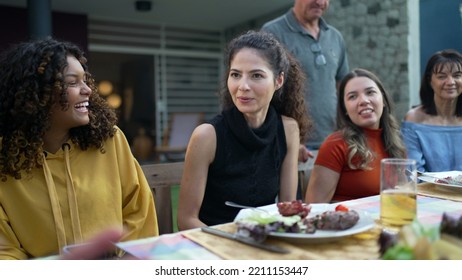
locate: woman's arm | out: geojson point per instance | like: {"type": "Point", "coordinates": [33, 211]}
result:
{"type": "Point", "coordinates": [199, 155]}
{"type": "Point", "coordinates": [322, 185]}
{"type": "Point", "coordinates": [10, 247]}
{"type": "Point", "coordinates": [413, 146]}
{"type": "Point", "coordinates": [288, 182]}
{"type": "Point", "coordinates": [138, 208]}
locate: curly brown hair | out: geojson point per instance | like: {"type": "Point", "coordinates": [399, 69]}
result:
{"type": "Point", "coordinates": [288, 100]}
{"type": "Point", "coordinates": [31, 81]}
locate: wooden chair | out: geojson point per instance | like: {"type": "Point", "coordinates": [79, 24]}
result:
{"type": "Point", "coordinates": [176, 136]}
{"type": "Point", "coordinates": [161, 177]}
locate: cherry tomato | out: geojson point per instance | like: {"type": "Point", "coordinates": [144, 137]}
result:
{"type": "Point", "coordinates": [341, 207]}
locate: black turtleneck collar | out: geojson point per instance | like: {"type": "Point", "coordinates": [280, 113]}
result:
{"type": "Point", "coordinates": [252, 138]}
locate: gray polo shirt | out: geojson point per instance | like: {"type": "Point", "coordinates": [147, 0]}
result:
{"type": "Point", "coordinates": [321, 92]}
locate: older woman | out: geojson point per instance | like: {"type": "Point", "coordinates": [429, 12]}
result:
{"type": "Point", "coordinates": [348, 162]}
{"type": "Point", "coordinates": [432, 131]}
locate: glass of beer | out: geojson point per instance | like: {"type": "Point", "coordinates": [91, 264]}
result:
{"type": "Point", "coordinates": [398, 192]}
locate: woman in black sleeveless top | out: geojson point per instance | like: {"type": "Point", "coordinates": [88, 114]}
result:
{"type": "Point", "coordinates": [249, 153]}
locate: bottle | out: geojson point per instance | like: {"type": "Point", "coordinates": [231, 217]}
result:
{"type": "Point", "coordinates": [142, 146]}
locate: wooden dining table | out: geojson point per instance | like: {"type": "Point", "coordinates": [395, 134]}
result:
{"type": "Point", "coordinates": [432, 202]}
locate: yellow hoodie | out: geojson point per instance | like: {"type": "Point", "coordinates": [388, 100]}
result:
{"type": "Point", "coordinates": [74, 196]}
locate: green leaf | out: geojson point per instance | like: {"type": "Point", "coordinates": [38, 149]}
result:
{"type": "Point", "coordinates": [398, 252]}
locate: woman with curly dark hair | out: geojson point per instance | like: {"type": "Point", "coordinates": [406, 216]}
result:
{"type": "Point", "coordinates": [249, 153]}
{"type": "Point", "coordinates": [348, 162]}
{"type": "Point", "coordinates": [66, 169]}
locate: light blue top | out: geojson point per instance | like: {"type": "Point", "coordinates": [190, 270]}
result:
{"type": "Point", "coordinates": [435, 148]}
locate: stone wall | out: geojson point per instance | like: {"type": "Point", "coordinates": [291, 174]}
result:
{"type": "Point", "coordinates": [376, 34]}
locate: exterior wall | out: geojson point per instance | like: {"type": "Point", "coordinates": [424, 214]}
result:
{"type": "Point", "coordinates": [376, 34]}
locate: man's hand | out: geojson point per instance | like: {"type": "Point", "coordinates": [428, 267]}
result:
{"type": "Point", "coordinates": [304, 154]}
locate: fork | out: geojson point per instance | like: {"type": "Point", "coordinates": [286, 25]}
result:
{"type": "Point", "coordinates": [437, 179]}
{"type": "Point", "coordinates": [237, 205]}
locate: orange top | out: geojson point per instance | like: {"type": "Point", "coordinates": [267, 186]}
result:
{"type": "Point", "coordinates": [357, 183]}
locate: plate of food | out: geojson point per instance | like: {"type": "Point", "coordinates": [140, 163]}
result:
{"type": "Point", "coordinates": [302, 223]}
{"type": "Point", "coordinates": [418, 242]}
{"type": "Point", "coordinates": [449, 179]}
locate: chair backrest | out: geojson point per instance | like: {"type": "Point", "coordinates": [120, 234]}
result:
{"type": "Point", "coordinates": [177, 135]}
{"type": "Point", "coordinates": [181, 126]}
{"type": "Point", "coordinates": [161, 177]}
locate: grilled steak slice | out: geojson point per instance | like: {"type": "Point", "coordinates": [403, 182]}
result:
{"type": "Point", "coordinates": [334, 220]}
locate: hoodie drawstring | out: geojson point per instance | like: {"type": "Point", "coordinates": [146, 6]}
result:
{"type": "Point", "coordinates": [56, 208]}
{"type": "Point", "coordinates": [71, 196]}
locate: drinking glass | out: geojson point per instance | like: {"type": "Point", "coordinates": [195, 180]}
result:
{"type": "Point", "coordinates": [398, 192]}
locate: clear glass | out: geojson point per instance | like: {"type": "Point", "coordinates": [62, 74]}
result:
{"type": "Point", "coordinates": [398, 192]}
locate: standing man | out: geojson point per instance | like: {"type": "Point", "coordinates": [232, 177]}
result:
{"type": "Point", "coordinates": [321, 51]}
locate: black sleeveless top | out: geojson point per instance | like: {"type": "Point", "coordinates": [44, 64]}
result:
{"type": "Point", "coordinates": [247, 165]}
